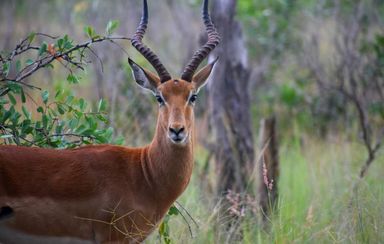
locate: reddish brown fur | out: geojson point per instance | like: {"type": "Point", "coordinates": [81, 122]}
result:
{"type": "Point", "coordinates": [78, 192]}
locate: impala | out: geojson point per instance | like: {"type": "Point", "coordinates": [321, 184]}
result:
{"type": "Point", "coordinates": [106, 193]}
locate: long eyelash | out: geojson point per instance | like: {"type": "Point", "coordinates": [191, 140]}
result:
{"type": "Point", "coordinates": [160, 100]}
{"type": "Point", "coordinates": [193, 98]}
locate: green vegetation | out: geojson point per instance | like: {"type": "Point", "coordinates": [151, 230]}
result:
{"type": "Point", "coordinates": [59, 121]}
{"type": "Point", "coordinates": [316, 203]}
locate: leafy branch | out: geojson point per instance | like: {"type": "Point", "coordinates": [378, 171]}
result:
{"type": "Point", "coordinates": [62, 50]}
{"type": "Point", "coordinates": [62, 120]}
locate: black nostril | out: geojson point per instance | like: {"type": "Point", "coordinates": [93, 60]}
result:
{"type": "Point", "coordinates": [6, 212]}
{"type": "Point", "coordinates": [176, 131]}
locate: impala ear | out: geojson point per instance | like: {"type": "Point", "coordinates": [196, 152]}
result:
{"type": "Point", "coordinates": [201, 78]}
{"type": "Point", "coordinates": [144, 78]}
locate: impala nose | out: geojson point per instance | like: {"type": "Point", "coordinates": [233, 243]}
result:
{"type": "Point", "coordinates": [177, 133]}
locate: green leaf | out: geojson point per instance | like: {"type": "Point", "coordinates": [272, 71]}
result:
{"type": "Point", "coordinates": [6, 136]}
{"type": "Point", "coordinates": [28, 130]}
{"type": "Point", "coordinates": [119, 140]}
{"type": "Point", "coordinates": [89, 31]}
{"type": "Point", "coordinates": [78, 114]}
{"type": "Point", "coordinates": [61, 109]}
{"type": "Point", "coordinates": [91, 123]}
{"type": "Point", "coordinates": [81, 129]}
{"type": "Point", "coordinates": [59, 127]}
{"type": "Point", "coordinates": [52, 112]}
{"type": "Point", "coordinates": [173, 211]}
{"type": "Point", "coordinates": [31, 37]}
{"type": "Point", "coordinates": [162, 228]}
{"type": "Point", "coordinates": [109, 133]}
{"type": "Point", "coordinates": [53, 143]}
{"type": "Point", "coordinates": [69, 99]}
{"type": "Point", "coordinates": [3, 101]}
{"type": "Point", "coordinates": [14, 87]}
{"type": "Point", "coordinates": [73, 123]}
{"type": "Point", "coordinates": [6, 67]}
{"type": "Point", "coordinates": [43, 48]}
{"type": "Point", "coordinates": [26, 113]}
{"type": "Point", "coordinates": [86, 142]}
{"type": "Point", "coordinates": [18, 66]}
{"type": "Point", "coordinates": [15, 118]}
{"type": "Point", "coordinates": [101, 139]}
{"type": "Point", "coordinates": [72, 79]}
{"type": "Point", "coordinates": [101, 106]}
{"type": "Point", "coordinates": [40, 109]}
{"type": "Point", "coordinates": [58, 93]}
{"type": "Point", "coordinates": [45, 121]}
{"type": "Point", "coordinates": [38, 125]}
{"type": "Point", "coordinates": [67, 43]}
{"type": "Point", "coordinates": [26, 126]}
{"type": "Point", "coordinates": [12, 99]}
{"type": "Point", "coordinates": [6, 116]}
{"type": "Point", "coordinates": [112, 26]}
{"type": "Point", "coordinates": [102, 118]}
{"type": "Point", "coordinates": [60, 43]}
{"type": "Point", "coordinates": [82, 104]}
{"type": "Point", "coordinates": [29, 61]}
{"type": "Point", "coordinates": [22, 95]}
{"type": "Point", "coordinates": [45, 96]}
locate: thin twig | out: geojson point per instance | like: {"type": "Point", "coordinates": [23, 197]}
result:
{"type": "Point", "coordinates": [98, 58]}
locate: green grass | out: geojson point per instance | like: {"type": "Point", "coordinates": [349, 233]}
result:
{"type": "Point", "coordinates": [316, 203]}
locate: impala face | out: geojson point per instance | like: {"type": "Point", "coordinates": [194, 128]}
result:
{"type": "Point", "coordinates": [176, 99]}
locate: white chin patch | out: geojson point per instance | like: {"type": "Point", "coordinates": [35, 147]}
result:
{"type": "Point", "coordinates": [181, 142]}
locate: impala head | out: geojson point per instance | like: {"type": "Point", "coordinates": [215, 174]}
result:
{"type": "Point", "coordinates": [176, 97]}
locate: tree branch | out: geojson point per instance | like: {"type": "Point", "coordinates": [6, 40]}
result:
{"type": "Point", "coordinates": [28, 70]}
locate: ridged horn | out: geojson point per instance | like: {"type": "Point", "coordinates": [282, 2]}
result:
{"type": "Point", "coordinates": [203, 52]}
{"type": "Point", "coordinates": [146, 51]}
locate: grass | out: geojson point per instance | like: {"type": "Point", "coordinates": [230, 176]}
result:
{"type": "Point", "coordinates": [316, 203]}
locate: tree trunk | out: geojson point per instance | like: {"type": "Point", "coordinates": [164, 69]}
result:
{"type": "Point", "coordinates": [230, 122]}
{"type": "Point", "coordinates": [230, 103]}
{"type": "Point", "coordinates": [269, 167]}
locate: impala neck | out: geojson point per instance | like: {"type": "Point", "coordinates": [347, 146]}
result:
{"type": "Point", "coordinates": [169, 166]}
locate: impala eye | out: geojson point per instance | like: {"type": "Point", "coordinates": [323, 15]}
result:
{"type": "Point", "coordinates": [192, 99]}
{"type": "Point", "coordinates": [160, 100]}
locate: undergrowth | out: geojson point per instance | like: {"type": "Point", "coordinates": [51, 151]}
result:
{"type": "Point", "coordinates": [316, 203]}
